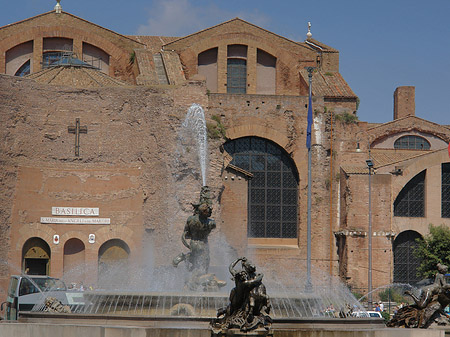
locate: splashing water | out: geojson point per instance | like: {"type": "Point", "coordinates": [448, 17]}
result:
{"type": "Point", "coordinates": [195, 122]}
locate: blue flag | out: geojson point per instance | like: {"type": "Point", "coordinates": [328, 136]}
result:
{"type": "Point", "coordinates": [310, 121]}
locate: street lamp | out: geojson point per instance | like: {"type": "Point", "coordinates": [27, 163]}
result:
{"type": "Point", "coordinates": [369, 163]}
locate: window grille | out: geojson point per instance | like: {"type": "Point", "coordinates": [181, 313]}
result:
{"type": "Point", "coordinates": [405, 260]}
{"type": "Point", "coordinates": [445, 191]}
{"type": "Point", "coordinates": [412, 143]}
{"type": "Point", "coordinates": [273, 190]}
{"type": "Point", "coordinates": [236, 76]}
{"type": "Point", "coordinates": [410, 202]}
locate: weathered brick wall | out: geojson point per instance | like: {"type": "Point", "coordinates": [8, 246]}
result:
{"type": "Point", "coordinates": [404, 102]}
{"type": "Point", "coordinates": [355, 224]}
{"type": "Point", "coordinates": [129, 130]}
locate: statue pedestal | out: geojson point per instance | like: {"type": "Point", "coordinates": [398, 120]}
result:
{"type": "Point", "coordinates": [237, 333]}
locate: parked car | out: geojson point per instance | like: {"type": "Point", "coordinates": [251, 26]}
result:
{"type": "Point", "coordinates": [24, 292]}
{"type": "Point", "coordinates": [367, 314]}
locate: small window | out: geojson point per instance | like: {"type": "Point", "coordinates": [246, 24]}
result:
{"type": "Point", "coordinates": [24, 69]}
{"type": "Point", "coordinates": [412, 143]}
{"type": "Point", "coordinates": [237, 69]}
{"type": "Point", "coordinates": [237, 76]}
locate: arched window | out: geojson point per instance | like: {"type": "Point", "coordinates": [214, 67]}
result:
{"type": "Point", "coordinates": [412, 143]}
{"type": "Point", "coordinates": [207, 66]}
{"type": "Point", "coordinates": [273, 190]}
{"type": "Point", "coordinates": [18, 59]}
{"type": "Point", "coordinates": [95, 57]}
{"type": "Point", "coordinates": [237, 69]}
{"type": "Point", "coordinates": [410, 202]}
{"type": "Point", "coordinates": [265, 73]}
{"type": "Point", "coordinates": [445, 191]}
{"type": "Point", "coordinates": [405, 261]}
{"type": "Point", "coordinates": [24, 69]}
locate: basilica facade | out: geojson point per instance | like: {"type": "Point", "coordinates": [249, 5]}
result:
{"type": "Point", "coordinates": [94, 171]}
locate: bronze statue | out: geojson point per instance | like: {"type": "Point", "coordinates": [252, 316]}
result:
{"type": "Point", "coordinates": [249, 306]}
{"type": "Point", "coordinates": [195, 238]}
{"type": "Point", "coordinates": [429, 307]}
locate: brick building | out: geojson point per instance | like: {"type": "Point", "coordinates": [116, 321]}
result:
{"type": "Point", "coordinates": [92, 172]}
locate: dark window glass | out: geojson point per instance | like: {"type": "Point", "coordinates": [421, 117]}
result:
{"type": "Point", "coordinates": [445, 191]}
{"type": "Point", "coordinates": [412, 143]}
{"type": "Point", "coordinates": [24, 69]}
{"type": "Point", "coordinates": [236, 76]}
{"type": "Point", "coordinates": [410, 202]}
{"type": "Point", "coordinates": [273, 190]}
{"type": "Point", "coordinates": [405, 260]}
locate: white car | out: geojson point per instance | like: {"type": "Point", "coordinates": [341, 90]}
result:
{"type": "Point", "coordinates": [367, 314]}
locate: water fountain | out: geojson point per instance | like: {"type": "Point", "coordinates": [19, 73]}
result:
{"type": "Point", "coordinates": [187, 305]}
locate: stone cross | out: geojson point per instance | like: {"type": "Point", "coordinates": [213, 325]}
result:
{"type": "Point", "coordinates": [77, 129]}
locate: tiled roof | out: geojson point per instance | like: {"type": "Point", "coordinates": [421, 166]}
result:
{"type": "Point", "coordinates": [382, 158]}
{"type": "Point", "coordinates": [76, 77]}
{"type": "Point", "coordinates": [389, 157]}
{"type": "Point", "coordinates": [328, 84]}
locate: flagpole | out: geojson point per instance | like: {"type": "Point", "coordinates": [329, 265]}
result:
{"type": "Point", "coordinates": [309, 286]}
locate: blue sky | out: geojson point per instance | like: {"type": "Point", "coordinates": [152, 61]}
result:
{"type": "Point", "coordinates": [383, 44]}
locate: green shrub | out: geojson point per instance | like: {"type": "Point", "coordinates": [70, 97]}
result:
{"type": "Point", "coordinates": [346, 118]}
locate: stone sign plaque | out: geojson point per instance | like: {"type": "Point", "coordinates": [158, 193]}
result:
{"type": "Point", "coordinates": [77, 221]}
{"type": "Point", "coordinates": [77, 211]}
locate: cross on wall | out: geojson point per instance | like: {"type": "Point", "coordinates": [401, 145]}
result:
{"type": "Point", "coordinates": [77, 130]}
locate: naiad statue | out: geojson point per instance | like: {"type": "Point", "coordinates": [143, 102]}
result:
{"type": "Point", "coordinates": [249, 307]}
{"type": "Point", "coordinates": [428, 308]}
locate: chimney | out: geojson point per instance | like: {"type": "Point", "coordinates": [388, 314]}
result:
{"type": "Point", "coordinates": [404, 102]}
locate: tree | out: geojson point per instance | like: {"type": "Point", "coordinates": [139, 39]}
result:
{"type": "Point", "coordinates": [433, 249]}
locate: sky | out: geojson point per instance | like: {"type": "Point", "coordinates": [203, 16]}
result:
{"type": "Point", "coordinates": [383, 44]}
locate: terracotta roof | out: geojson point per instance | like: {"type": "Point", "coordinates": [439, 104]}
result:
{"type": "Point", "coordinates": [383, 158]}
{"type": "Point", "coordinates": [328, 84]}
{"type": "Point", "coordinates": [75, 76]}
{"type": "Point", "coordinates": [392, 156]}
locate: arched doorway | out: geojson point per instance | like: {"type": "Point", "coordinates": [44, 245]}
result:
{"type": "Point", "coordinates": [405, 261]}
{"type": "Point", "coordinates": [36, 257]}
{"type": "Point", "coordinates": [74, 261]}
{"type": "Point", "coordinates": [113, 264]}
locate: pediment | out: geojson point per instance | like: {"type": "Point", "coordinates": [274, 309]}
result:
{"type": "Point", "coordinates": [60, 25]}
{"type": "Point", "coordinates": [408, 124]}
{"type": "Point", "coordinates": [233, 28]}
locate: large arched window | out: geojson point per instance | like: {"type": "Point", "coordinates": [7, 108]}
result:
{"type": "Point", "coordinates": [405, 260]}
{"type": "Point", "coordinates": [410, 202]}
{"type": "Point", "coordinates": [273, 190]}
{"type": "Point", "coordinates": [445, 191]}
{"type": "Point", "coordinates": [412, 143]}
